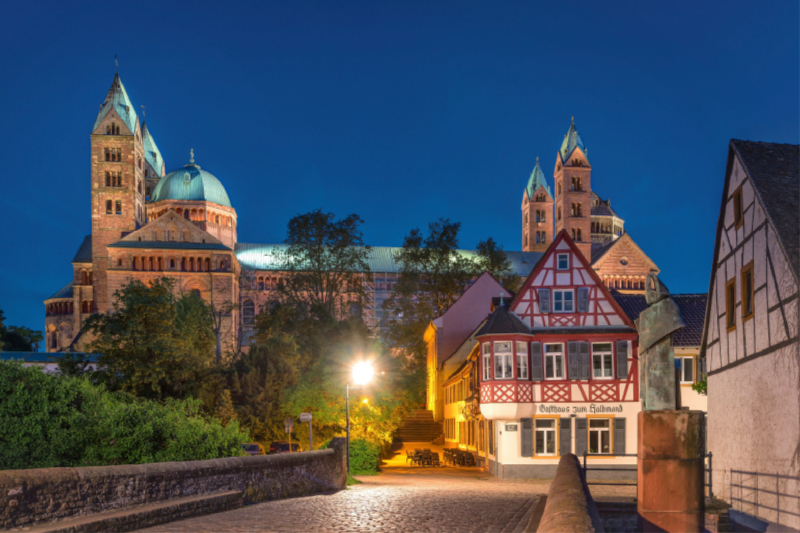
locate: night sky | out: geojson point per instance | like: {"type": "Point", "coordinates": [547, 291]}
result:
{"type": "Point", "coordinates": [402, 112]}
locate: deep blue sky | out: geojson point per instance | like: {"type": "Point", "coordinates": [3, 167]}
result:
{"type": "Point", "coordinates": [402, 112]}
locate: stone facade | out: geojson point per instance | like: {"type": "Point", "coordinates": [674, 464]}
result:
{"type": "Point", "coordinates": [41, 495]}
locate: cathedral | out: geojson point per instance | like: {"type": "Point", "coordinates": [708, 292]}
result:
{"type": "Point", "coordinates": [147, 223]}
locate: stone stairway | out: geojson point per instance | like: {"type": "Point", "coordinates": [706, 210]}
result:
{"type": "Point", "coordinates": [419, 426]}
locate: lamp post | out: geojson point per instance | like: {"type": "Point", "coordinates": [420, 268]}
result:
{"type": "Point", "coordinates": [362, 373]}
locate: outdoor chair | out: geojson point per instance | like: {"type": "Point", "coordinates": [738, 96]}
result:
{"type": "Point", "coordinates": [435, 459]}
{"type": "Point", "coordinates": [410, 457]}
{"type": "Point", "coordinates": [425, 459]}
{"type": "Point", "coordinates": [469, 459]}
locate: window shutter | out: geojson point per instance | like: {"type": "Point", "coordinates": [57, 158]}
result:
{"type": "Point", "coordinates": [537, 372]}
{"type": "Point", "coordinates": [573, 360]}
{"type": "Point", "coordinates": [527, 437]}
{"type": "Point", "coordinates": [565, 444]}
{"type": "Point", "coordinates": [544, 300]}
{"type": "Point", "coordinates": [619, 435]}
{"type": "Point", "coordinates": [701, 368]}
{"type": "Point", "coordinates": [622, 359]}
{"type": "Point", "coordinates": [583, 299]}
{"type": "Point", "coordinates": [585, 360]}
{"type": "Point", "coordinates": [581, 436]}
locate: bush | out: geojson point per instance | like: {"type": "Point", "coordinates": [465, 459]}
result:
{"type": "Point", "coordinates": [365, 457]}
{"type": "Point", "coordinates": [54, 421]}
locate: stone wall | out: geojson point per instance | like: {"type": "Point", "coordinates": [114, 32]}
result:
{"type": "Point", "coordinates": [34, 496]}
{"type": "Point", "coordinates": [570, 507]}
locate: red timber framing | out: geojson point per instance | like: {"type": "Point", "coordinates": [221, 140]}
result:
{"type": "Point", "coordinates": [597, 318]}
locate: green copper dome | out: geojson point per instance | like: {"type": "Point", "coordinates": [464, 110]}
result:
{"type": "Point", "coordinates": [190, 183]}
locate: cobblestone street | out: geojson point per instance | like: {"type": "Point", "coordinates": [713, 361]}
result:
{"type": "Point", "coordinates": [402, 499]}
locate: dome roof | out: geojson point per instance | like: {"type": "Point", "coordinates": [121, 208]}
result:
{"type": "Point", "coordinates": [190, 183]}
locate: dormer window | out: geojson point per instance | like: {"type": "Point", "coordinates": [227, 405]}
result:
{"type": "Point", "coordinates": [562, 261]}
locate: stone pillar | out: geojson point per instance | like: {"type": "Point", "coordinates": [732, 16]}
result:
{"type": "Point", "coordinates": [670, 471]}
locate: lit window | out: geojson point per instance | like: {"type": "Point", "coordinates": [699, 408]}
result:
{"type": "Point", "coordinates": [545, 436]}
{"type": "Point", "coordinates": [522, 360]}
{"type": "Point", "coordinates": [502, 360]}
{"type": "Point", "coordinates": [487, 363]}
{"type": "Point", "coordinates": [563, 261]}
{"type": "Point", "coordinates": [602, 361]}
{"type": "Point", "coordinates": [686, 367]}
{"type": "Point", "coordinates": [563, 302]}
{"type": "Point", "coordinates": [554, 361]}
{"type": "Point", "coordinates": [599, 435]}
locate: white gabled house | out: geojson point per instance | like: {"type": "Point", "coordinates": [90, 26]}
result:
{"type": "Point", "coordinates": [750, 336]}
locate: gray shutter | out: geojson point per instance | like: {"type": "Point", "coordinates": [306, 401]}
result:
{"type": "Point", "coordinates": [527, 436]}
{"type": "Point", "coordinates": [619, 436]}
{"type": "Point", "coordinates": [701, 368]}
{"type": "Point", "coordinates": [573, 360]}
{"type": "Point", "coordinates": [581, 436]}
{"type": "Point", "coordinates": [537, 371]}
{"type": "Point", "coordinates": [583, 299]}
{"type": "Point", "coordinates": [585, 359]}
{"type": "Point", "coordinates": [622, 359]}
{"type": "Point", "coordinates": [544, 300]}
{"type": "Point", "coordinates": [565, 446]}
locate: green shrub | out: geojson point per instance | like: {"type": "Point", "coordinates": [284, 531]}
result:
{"type": "Point", "coordinates": [51, 421]}
{"type": "Point", "coordinates": [365, 457]}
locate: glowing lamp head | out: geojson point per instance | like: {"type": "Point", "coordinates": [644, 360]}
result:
{"type": "Point", "coordinates": [362, 373]}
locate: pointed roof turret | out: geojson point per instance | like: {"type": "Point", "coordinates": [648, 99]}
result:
{"type": "Point", "coordinates": [537, 180]}
{"type": "Point", "coordinates": [572, 140]}
{"type": "Point", "coordinates": [151, 152]}
{"type": "Point", "coordinates": [117, 99]}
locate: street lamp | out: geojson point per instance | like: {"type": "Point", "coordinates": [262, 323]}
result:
{"type": "Point", "coordinates": [362, 373]}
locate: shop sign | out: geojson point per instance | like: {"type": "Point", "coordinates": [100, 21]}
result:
{"type": "Point", "coordinates": [591, 409]}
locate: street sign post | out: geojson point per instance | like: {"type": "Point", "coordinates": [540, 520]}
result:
{"type": "Point", "coordinates": [306, 417]}
{"type": "Point", "coordinates": [289, 427]}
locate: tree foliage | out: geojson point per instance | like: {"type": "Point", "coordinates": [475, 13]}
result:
{"type": "Point", "coordinates": [55, 421]}
{"type": "Point", "coordinates": [155, 344]}
{"type": "Point", "coordinates": [324, 264]}
{"type": "Point", "coordinates": [493, 259]}
{"type": "Point", "coordinates": [18, 338]}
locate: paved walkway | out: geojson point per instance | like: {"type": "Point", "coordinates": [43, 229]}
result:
{"type": "Point", "coordinates": [402, 499]}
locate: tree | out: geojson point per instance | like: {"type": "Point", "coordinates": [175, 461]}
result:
{"type": "Point", "coordinates": [154, 344]}
{"type": "Point", "coordinates": [225, 412]}
{"type": "Point", "coordinates": [492, 259]}
{"type": "Point", "coordinates": [18, 338]}
{"type": "Point", "coordinates": [433, 274]}
{"type": "Point", "coordinates": [324, 264]}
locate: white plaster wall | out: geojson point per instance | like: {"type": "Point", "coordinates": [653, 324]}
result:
{"type": "Point", "coordinates": [510, 442]}
{"type": "Point", "coordinates": [754, 420]}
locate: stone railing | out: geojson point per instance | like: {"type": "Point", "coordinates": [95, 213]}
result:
{"type": "Point", "coordinates": [35, 496]}
{"type": "Point", "coordinates": [570, 507]}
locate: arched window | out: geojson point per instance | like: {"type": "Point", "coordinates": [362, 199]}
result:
{"type": "Point", "coordinates": [579, 235]}
{"type": "Point", "coordinates": [109, 207]}
{"type": "Point", "coordinates": [559, 188]}
{"type": "Point", "coordinates": [53, 340]}
{"type": "Point", "coordinates": [191, 264]}
{"type": "Point", "coordinates": [85, 306]}
{"type": "Point", "coordinates": [186, 214]}
{"type": "Point", "coordinates": [543, 217]}
{"type": "Point", "coordinates": [559, 214]}
{"type": "Point", "coordinates": [248, 312]}
{"type": "Point", "coordinates": [573, 234]}
{"type": "Point", "coordinates": [119, 207]}
{"type": "Point", "coordinates": [260, 283]}
{"type": "Point", "coordinates": [183, 264]}
{"type": "Point", "coordinates": [537, 216]}
{"type": "Point", "coordinates": [537, 237]}
{"type": "Point", "coordinates": [84, 277]}
{"type": "Point", "coordinates": [172, 263]}
{"type": "Point", "coordinates": [208, 264]}
{"type": "Point", "coordinates": [544, 237]}
{"type": "Point", "coordinates": [196, 292]}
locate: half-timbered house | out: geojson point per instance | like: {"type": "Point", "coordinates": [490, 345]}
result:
{"type": "Point", "coordinates": [558, 371]}
{"type": "Point", "coordinates": [750, 337]}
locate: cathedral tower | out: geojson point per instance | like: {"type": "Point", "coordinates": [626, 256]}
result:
{"type": "Point", "coordinates": [573, 186]}
{"type": "Point", "coordinates": [117, 176]}
{"type": "Point", "coordinates": [537, 213]}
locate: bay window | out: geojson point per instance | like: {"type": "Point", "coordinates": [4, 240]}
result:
{"type": "Point", "coordinates": [563, 302]}
{"type": "Point", "coordinates": [554, 361]}
{"type": "Point", "coordinates": [599, 435]}
{"type": "Point", "coordinates": [487, 362]}
{"type": "Point", "coordinates": [602, 366]}
{"type": "Point", "coordinates": [522, 360]}
{"type": "Point", "coordinates": [502, 360]}
{"type": "Point", "coordinates": [545, 436]}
